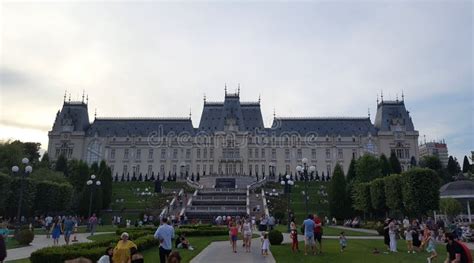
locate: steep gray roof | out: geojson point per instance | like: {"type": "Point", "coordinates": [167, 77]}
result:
{"type": "Point", "coordinates": [139, 126]}
{"type": "Point", "coordinates": [390, 113]}
{"type": "Point", "coordinates": [247, 115]}
{"type": "Point", "coordinates": [324, 126]}
{"type": "Point", "coordinates": [73, 113]}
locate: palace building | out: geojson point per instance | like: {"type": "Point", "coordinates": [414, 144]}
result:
{"type": "Point", "coordinates": [231, 139]}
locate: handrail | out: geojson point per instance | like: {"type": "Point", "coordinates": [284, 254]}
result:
{"type": "Point", "coordinates": [257, 183]}
{"type": "Point", "coordinates": [193, 184]}
{"type": "Point", "coordinates": [248, 201]}
{"type": "Point", "coordinates": [166, 209]}
{"type": "Point", "coordinates": [265, 207]}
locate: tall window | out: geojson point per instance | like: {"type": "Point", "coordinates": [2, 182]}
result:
{"type": "Point", "coordinates": [112, 154]}
{"type": "Point", "coordinates": [198, 153]}
{"type": "Point", "coordinates": [204, 168]}
{"type": "Point", "coordinates": [300, 154]}
{"type": "Point", "coordinates": [150, 154]}
{"type": "Point", "coordinates": [174, 168]}
{"type": "Point", "coordinates": [205, 153]}
{"type": "Point", "coordinates": [175, 154]}
{"type": "Point", "coordinates": [287, 169]}
{"type": "Point", "coordinates": [125, 169]}
{"type": "Point", "coordinates": [339, 154]}
{"type": "Point", "coordinates": [250, 169]}
{"type": "Point", "coordinates": [287, 154]}
{"type": "Point", "coordinates": [328, 170]}
{"type": "Point", "coordinates": [250, 153]}
{"type": "Point", "coordinates": [211, 168]}
{"type": "Point", "coordinates": [150, 168]}
{"type": "Point", "coordinates": [256, 153]}
{"type": "Point", "coordinates": [211, 153]}
{"type": "Point", "coordinates": [125, 154]}
{"type": "Point", "coordinates": [198, 168]}
{"type": "Point", "coordinates": [256, 168]}
{"type": "Point", "coordinates": [162, 169]}
{"type": "Point", "coordinates": [188, 153]}
{"type": "Point", "coordinates": [263, 169]}
{"type": "Point", "coordinates": [139, 154]}
{"type": "Point", "coordinates": [328, 153]}
{"type": "Point", "coordinates": [354, 154]}
{"type": "Point", "coordinates": [313, 154]}
{"type": "Point", "coordinates": [263, 154]}
{"type": "Point", "coordinates": [274, 154]}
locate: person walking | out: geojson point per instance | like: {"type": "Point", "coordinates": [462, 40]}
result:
{"type": "Point", "coordinates": [247, 232]}
{"type": "Point", "coordinates": [265, 244]}
{"type": "Point", "coordinates": [309, 235]}
{"type": "Point", "coordinates": [233, 231]}
{"type": "Point", "coordinates": [431, 247]}
{"type": "Point", "coordinates": [164, 234]}
{"type": "Point", "coordinates": [318, 232]}
{"type": "Point", "coordinates": [68, 228]}
{"type": "Point", "coordinates": [386, 236]}
{"type": "Point", "coordinates": [121, 252]}
{"type": "Point", "coordinates": [93, 223]}
{"type": "Point", "coordinates": [294, 237]}
{"type": "Point", "coordinates": [56, 231]}
{"type": "Point", "coordinates": [409, 240]}
{"type": "Point", "coordinates": [3, 249]}
{"type": "Point", "coordinates": [48, 222]}
{"type": "Point", "coordinates": [342, 241]}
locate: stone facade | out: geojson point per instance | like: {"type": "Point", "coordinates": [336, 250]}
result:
{"type": "Point", "coordinates": [230, 140]}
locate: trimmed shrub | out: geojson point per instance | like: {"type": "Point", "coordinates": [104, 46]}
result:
{"type": "Point", "coordinates": [24, 236]}
{"type": "Point", "coordinates": [275, 237]}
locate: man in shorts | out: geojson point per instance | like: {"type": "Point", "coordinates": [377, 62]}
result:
{"type": "Point", "coordinates": [309, 235]}
{"type": "Point", "coordinates": [68, 226]}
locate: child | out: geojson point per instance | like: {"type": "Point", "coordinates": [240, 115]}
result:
{"type": "Point", "coordinates": [265, 244]}
{"type": "Point", "coordinates": [342, 241]}
{"type": "Point", "coordinates": [431, 248]}
{"type": "Point", "coordinates": [106, 258]}
{"type": "Point", "coordinates": [294, 240]}
{"type": "Point", "coordinates": [409, 239]}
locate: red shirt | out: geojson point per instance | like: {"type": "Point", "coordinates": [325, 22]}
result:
{"type": "Point", "coordinates": [233, 231]}
{"type": "Point", "coordinates": [317, 229]}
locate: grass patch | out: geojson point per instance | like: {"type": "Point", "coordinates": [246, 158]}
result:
{"type": "Point", "coordinates": [358, 251]}
{"type": "Point", "coordinates": [327, 231]}
{"type": "Point", "coordinates": [199, 243]}
{"type": "Point", "coordinates": [12, 243]}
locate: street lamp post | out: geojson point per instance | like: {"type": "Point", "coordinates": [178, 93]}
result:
{"type": "Point", "coordinates": [287, 182]}
{"type": "Point", "coordinates": [92, 183]}
{"type": "Point", "coordinates": [27, 171]}
{"type": "Point", "coordinates": [304, 170]}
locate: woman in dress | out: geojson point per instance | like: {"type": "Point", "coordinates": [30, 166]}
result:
{"type": "Point", "coordinates": [56, 231]}
{"type": "Point", "coordinates": [247, 231]}
{"type": "Point", "coordinates": [122, 249]}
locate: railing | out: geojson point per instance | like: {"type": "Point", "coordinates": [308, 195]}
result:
{"type": "Point", "coordinates": [257, 183]}
{"type": "Point", "coordinates": [193, 184]}
{"type": "Point", "coordinates": [217, 209]}
{"type": "Point", "coordinates": [222, 190]}
{"type": "Point", "coordinates": [218, 198]}
{"type": "Point", "coordinates": [166, 209]}
{"type": "Point", "coordinates": [248, 201]}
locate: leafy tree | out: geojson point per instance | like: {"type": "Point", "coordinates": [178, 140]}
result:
{"type": "Point", "coordinates": [361, 197]}
{"type": "Point", "coordinates": [395, 163]}
{"type": "Point", "coordinates": [29, 193]}
{"type": "Point", "coordinates": [11, 154]}
{"type": "Point", "coordinates": [52, 197]}
{"type": "Point", "coordinates": [450, 207]}
{"type": "Point", "coordinates": [31, 150]}
{"type": "Point", "coordinates": [45, 174]}
{"type": "Point", "coordinates": [393, 192]}
{"type": "Point", "coordinates": [45, 161]}
{"type": "Point", "coordinates": [337, 194]}
{"type": "Point", "coordinates": [385, 165]}
{"type": "Point", "coordinates": [368, 168]}
{"type": "Point", "coordinates": [413, 161]}
{"type": "Point", "coordinates": [5, 189]}
{"type": "Point", "coordinates": [62, 165]}
{"type": "Point", "coordinates": [105, 176]}
{"type": "Point", "coordinates": [351, 172]}
{"type": "Point", "coordinates": [79, 174]}
{"type": "Point", "coordinates": [377, 195]}
{"type": "Point", "coordinates": [432, 162]}
{"type": "Point", "coordinates": [420, 191]}
{"type": "Point", "coordinates": [465, 165]}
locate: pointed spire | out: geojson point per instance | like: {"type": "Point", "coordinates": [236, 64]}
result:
{"type": "Point", "coordinates": [87, 99]}
{"type": "Point", "coordinates": [396, 96]}
{"type": "Point", "coordinates": [65, 93]}
{"type": "Point", "coordinates": [381, 95]}
{"type": "Point", "coordinates": [204, 98]}
{"type": "Point", "coordinates": [190, 113]}
{"type": "Point", "coordinates": [377, 99]}
{"type": "Point", "coordinates": [225, 88]}
{"type": "Point", "coordinates": [69, 96]}
{"type": "Point", "coordinates": [274, 113]}
{"type": "Point", "coordinates": [83, 91]}
{"type": "Point", "coordinates": [238, 90]}
{"type": "Point", "coordinates": [95, 113]}
{"type": "Point", "coordinates": [368, 112]}
{"type": "Point", "coordinates": [259, 99]}
{"type": "Point", "coordinates": [403, 96]}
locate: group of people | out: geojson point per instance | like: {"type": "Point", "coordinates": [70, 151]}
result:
{"type": "Point", "coordinates": [421, 236]}
{"type": "Point", "coordinates": [313, 231]}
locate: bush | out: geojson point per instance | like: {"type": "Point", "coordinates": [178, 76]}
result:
{"type": "Point", "coordinates": [275, 237]}
{"type": "Point", "coordinates": [24, 236]}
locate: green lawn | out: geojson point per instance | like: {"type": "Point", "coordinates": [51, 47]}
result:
{"type": "Point", "coordinates": [12, 243]}
{"type": "Point", "coordinates": [327, 231]}
{"type": "Point", "coordinates": [357, 251]}
{"type": "Point", "coordinates": [199, 243]}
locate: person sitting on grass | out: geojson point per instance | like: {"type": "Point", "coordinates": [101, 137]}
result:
{"type": "Point", "coordinates": [182, 242]}
{"type": "Point", "coordinates": [342, 241]}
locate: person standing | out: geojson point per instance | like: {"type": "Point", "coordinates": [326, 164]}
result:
{"type": "Point", "coordinates": [93, 223]}
{"type": "Point", "coordinates": [456, 253]}
{"type": "Point", "coordinates": [342, 241]}
{"type": "Point", "coordinates": [392, 232]}
{"type": "Point", "coordinates": [3, 249]}
{"type": "Point", "coordinates": [309, 235]}
{"type": "Point", "coordinates": [164, 234]}
{"type": "Point", "coordinates": [294, 237]}
{"type": "Point", "coordinates": [431, 247]}
{"type": "Point", "coordinates": [233, 231]}
{"type": "Point", "coordinates": [121, 252]}
{"type": "Point", "coordinates": [386, 236]}
{"type": "Point", "coordinates": [56, 231]}
{"type": "Point", "coordinates": [318, 232]}
{"type": "Point", "coordinates": [409, 240]}
{"type": "Point", "coordinates": [68, 228]}
{"type": "Point", "coordinates": [48, 221]}
{"type": "Point", "coordinates": [247, 232]}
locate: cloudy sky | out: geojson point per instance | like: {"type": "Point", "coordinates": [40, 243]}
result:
{"type": "Point", "coordinates": [316, 58]}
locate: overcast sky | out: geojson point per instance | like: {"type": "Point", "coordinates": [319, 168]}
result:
{"type": "Point", "coordinates": [316, 58]}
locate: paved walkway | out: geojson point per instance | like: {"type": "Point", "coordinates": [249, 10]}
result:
{"type": "Point", "coordinates": [362, 230]}
{"type": "Point", "coordinates": [39, 242]}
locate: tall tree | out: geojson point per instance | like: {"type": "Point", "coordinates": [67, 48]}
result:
{"type": "Point", "coordinates": [453, 167]}
{"type": "Point", "coordinates": [368, 168]}
{"type": "Point", "coordinates": [432, 162]}
{"type": "Point", "coordinates": [337, 194]}
{"type": "Point", "coordinates": [45, 161]}
{"type": "Point", "coordinates": [31, 150]}
{"type": "Point", "coordinates": [361, 197]}
{"type": "Point", "coordinates": [106, 179]}
{"type": "Point", "coordinates": [62, 165]}
{"type": "Point", "coordinates": [377, 195]}
{"type": "Point", "coordinates": [420, 191]}
{"type": "Point", "coordinates": [393, 193]}
{"type": "Point", "coordinates": [395, 164]}
{"type": "Point", "coordinates": [413, 161]}
{"type": "Point", "coordinates": [466, 166]}
{"type": "Point", "coordinates": [351, 172]}
{"type": "Point", "coordinates": [385, 165]}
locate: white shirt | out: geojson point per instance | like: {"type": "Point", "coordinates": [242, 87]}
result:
{"type": "Point", "coordinates": [104, 259]}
